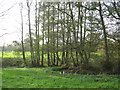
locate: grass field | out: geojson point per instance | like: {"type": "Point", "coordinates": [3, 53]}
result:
{"type": "Point", "coordinates": [14, 54]}
{"type": "Point", "coordinates": [46, 78]}
{"type": "Point", "coordinates": [19, 54]}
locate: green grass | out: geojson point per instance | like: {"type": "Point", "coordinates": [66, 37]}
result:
{"type": "Point", "coordinates": [14, 54]}
{"type": "Point", "coordinates": [46, 78]}
{"type": "Point", "coordinates": [19, 54]}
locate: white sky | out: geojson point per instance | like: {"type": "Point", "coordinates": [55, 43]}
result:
{"type": "Point", "coordinates": [9, 22]}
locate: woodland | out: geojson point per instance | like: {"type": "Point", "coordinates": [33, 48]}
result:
{"type": "Point", "coordinates": [80, 38]}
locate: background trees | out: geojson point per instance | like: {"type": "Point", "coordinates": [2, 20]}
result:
{"type": "Point", "coordinates": [74, 34]}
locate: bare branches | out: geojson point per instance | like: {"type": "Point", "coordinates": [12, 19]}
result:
{"type": "Point", "coordinates": [111, 13]}
{"type": "Point", "coordinates": [3, 34]}
{"type": "Point", "coordinates": [62, 11]}
{"type": "Point", "coordinates": [7, 34]}
{"type": "Point", "coordinates": [7, 10]}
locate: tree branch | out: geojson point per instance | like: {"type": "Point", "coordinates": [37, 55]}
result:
{"type": "Point", "coordinates": [62, 11]}
{"type": "Point", "coordinates": [8, 9]}
{"type": "Point", "coordinates": [3, 34]}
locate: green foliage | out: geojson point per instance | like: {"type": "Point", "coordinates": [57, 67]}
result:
{"type": "Point", "coordinates": [46, 78]}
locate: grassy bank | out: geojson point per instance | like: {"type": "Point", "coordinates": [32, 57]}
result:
{"type": "Point", "coordinates": [46, 78]}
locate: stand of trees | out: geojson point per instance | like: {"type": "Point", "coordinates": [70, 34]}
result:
{"type": "Point", "coordinates": [72, 32]}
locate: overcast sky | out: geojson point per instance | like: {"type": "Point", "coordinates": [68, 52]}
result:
{"type": "Point", "coordinates": [9, 23]}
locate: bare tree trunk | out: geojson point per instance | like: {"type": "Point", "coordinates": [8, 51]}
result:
{"type": "Point", "coordinates": [23, 49]}
{"type": "Point", "coordinates": [30, 35]}
{"type": "Point", "coordinates": [54, 49]}
{"type": "Point", "coordinates": [43, 30]}
{"type": "Point", "coordinates": [48, 53]}
{"type": "Point", "coordinates": [78, 31]}
{"type": "Point", "coordinates": [74, 33]}
{"type": "Point", "coordinates": [104, 32]}
{"type": "Point", "coordinates": [68, 38]}
{"type": "Point", "coordinates": [57, 37]}
{"type": "Point", "coordinates": [63, 40]}
{"type": "Point", "coordinates": [37, 35]}
{"type": "Point", "coordinates": [38, 44]}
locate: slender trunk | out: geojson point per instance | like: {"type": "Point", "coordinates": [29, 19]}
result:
{"type": "Point", "coordinates": [78, 30]}
{"type": "Point", "coordinates": [74, 34]}
{"type": "Point", "coordinates": [63, 43]}
{"type": "Point", "coordinates": [84, 27]}
{"type": "Point", "coordinates": [48, 53]}
{"type": "Point", "coordinates": [81, 49]}
{"type": "Point", "coordinates": [67, 41]}
{"type": "Point", "coordinates": [37, 35]}
{"type": "Point", "coordinates": [30, 35]}
{"type": "Point", "coordinates": [73, 23]}
{"type": "Point", "coordinates": [91, 34]}
{"type": "Point", "coordinates": [36, 31]}
{"type": "Point", "coordinates": [23, 49]}
{"type": "Point", "coordinates": [57, 36]}
{"type": "Point", "coordinates": [104, 32]}
{"type": "Point", "coordinates": [38, 44]}
{"type": "Point", "coordinates": [42, 64]}
{"type": "Point", "coordinates": [87, 56]}
{"type": "Point", "coordinates": [71, 52]}
{"type": "Point", "coordinates": [54, 49]}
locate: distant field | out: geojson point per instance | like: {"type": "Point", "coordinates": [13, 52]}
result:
{"type": "Point", "coordinates": [46, 78]}
{"type": "Point", "coordinates": [14, 54]}
{"type": "Point", "coordinates": [19, 54]}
